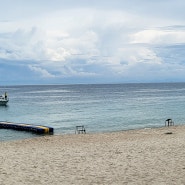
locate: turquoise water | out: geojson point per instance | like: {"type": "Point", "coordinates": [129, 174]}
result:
{"type": "Point", "coordinates": [101, 108]}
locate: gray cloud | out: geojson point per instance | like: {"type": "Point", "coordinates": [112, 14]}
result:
{"type": "Point", "coordinates": [122, 39]}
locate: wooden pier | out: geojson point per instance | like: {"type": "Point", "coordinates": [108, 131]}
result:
{"type": "Point", "coordinates": [38, 129]}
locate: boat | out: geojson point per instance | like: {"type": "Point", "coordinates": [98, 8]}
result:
{"type": "Point", "coordinates": [4, 99]}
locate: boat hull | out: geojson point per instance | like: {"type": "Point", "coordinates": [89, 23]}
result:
{"type": "Point", "coordinates": [4, 99]}
{"type": "Point", "coordinates": [3, 102]}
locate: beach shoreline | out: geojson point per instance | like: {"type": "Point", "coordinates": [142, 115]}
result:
{"type": "Point", "coordinates": [142, 156]}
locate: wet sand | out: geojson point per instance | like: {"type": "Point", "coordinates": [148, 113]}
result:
{"type": "Point", "coordinates": [146, 156]}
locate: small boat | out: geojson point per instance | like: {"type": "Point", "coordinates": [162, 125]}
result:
{"type": "Point", "coordinates": [4, 99]}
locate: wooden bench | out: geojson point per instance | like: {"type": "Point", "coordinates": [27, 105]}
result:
{"type": "Point", "coordinates": [169, 122]}
{"type": "Point", "coordinates": [80, 129]}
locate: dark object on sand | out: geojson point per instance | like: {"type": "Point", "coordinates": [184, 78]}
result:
{"type": "Point", "coordinates": [80, 129]}
{"type": "Point", "coordinates": [169, 122]}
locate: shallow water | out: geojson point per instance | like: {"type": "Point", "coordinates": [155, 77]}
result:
{"type": "Point", "coordinates": [101, 108]}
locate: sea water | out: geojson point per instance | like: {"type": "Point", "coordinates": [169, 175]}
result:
{"type": "Point", "coordinates": [99, 107]}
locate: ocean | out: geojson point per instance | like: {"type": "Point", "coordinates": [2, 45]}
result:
{"type": "Point", "coordinates": [99, 107]}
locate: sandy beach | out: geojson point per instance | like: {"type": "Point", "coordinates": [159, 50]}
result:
{"type": "Point", "coordinates": [146, 156]}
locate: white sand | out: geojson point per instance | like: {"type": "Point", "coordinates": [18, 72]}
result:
{"type": "Point", "coordinates": [147, 156]}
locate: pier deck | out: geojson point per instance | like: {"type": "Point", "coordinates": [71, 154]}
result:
{"type": "Point", "coordinates": [38, 129]}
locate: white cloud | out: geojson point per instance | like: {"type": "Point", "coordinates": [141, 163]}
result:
{"type": "Point", "coordinates": [161, 37]}
{"type": "Point", "coordinates": [91, 40]}
{"type": "Point", "coordinates": [44, 73]}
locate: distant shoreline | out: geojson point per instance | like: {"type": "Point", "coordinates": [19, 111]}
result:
{"type": "Point", "coordinates": [35, 136]}
{"type": "Point", "coordinates": [108, 83]}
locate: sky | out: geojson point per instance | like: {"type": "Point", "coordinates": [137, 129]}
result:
{"type": "Point", "coordinates": [97, 41]}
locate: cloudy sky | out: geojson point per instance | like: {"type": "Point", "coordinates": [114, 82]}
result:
{"type": "Point", "coordinates": [97, 41]}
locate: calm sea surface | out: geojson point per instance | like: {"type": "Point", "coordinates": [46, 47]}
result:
{"type": "Point", "coordinates": [100, 108]}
